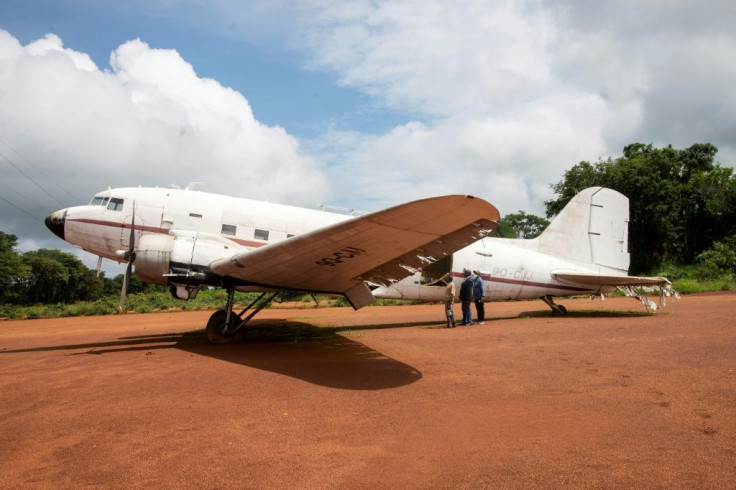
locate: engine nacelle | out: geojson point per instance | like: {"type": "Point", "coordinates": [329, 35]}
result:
{"type": "Point", "coordinates": [153, 258]}
{"type": "Point", "coordinates": [181, 258]}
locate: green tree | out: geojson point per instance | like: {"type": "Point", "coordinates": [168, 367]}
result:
{"type": "Point", "coordinates": [522, 225]}
{"type": "Point", "coordinates": [680, 201]}
{"type": "Point", "coordinates": [113, 286]}
{"type": "Point", "coordinates": [12, 269]}
{"type": "Point", "coordinates": [719, 259]}
{"type": "Point", "coordinates": [57, 276]}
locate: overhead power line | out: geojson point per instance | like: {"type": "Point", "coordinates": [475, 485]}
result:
{"type": "Point", "coordinates": [30, 178]}
{"type": "Point", "coordinates": [56, 183]}
{"type": "Point", "coordinates": [22, 210]}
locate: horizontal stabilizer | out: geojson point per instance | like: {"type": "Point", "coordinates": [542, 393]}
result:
{"type": "Point", "coordinates": [589, 279]}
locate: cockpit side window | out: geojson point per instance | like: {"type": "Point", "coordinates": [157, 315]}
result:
{"type": "Point", "coordinates": [115, 204]}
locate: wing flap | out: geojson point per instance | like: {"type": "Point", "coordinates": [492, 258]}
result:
{"type": "Point", "coordinates": [381, 247]}
{"type": "Point", "coordinates": [430, 252]}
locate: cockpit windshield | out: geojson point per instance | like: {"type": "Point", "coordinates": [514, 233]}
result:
{"type": "Point", "coordinates": [99, 201]}
{"type": "Point", "coordinates": [111, 203]}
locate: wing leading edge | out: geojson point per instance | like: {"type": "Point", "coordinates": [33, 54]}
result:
{"type": "Point", "coordinates": [379, 248]}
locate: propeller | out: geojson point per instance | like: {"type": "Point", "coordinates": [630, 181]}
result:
{"type": "Point", "coordinates": [130, 257]}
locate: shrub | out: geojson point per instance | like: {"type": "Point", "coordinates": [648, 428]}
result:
{"type": "Point", "coordinates": [718, 260]}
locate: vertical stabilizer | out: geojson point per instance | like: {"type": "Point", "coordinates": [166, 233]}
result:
{"type": "Point", "coordinates": [592, 228]}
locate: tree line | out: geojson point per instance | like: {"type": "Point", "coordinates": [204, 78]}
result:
{"type": "Point", "coordinates": [682, 211]}
{"type": "Point", "coordinates": [52, 276]}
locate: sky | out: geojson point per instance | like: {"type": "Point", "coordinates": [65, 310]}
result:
{"type": "Point", "coordinates": [357, 104]}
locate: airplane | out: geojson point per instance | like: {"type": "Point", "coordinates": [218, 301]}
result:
{"type": "Point", "coordinates": [187, 239]}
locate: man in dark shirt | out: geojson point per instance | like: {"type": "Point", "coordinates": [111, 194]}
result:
{"type": "Point", "coordinates": [466, 296]}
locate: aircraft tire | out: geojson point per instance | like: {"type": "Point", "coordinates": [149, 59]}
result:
{"type": "Point", "coordinates": [215, 325]}
{"type": "Point", "coordinates": [559, 310]}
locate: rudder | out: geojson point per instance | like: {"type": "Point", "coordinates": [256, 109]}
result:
{"type": "Point", "coordinates": [592, 228]}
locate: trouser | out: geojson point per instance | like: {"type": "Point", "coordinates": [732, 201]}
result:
{"type": "Point", "coordinates": [467, 314]}
{"type": "Point", "coordinates": [450, 314]}
{"type": "Point", "coordinates": [480, 307]}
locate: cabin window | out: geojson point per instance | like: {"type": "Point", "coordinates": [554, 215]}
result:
{"type": "Point", "coordinates": [260, 234]}
{"type": "Point", "coordinates": [195, 215]}
{"type": "Point", "coordinates": [115, 204]}
{"type": "Point", "coordinates": [229, 230]}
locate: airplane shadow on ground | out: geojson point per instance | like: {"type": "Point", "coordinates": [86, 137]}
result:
{"type": "Point", "coordinates": [581, 314]}
{"type": "Point", "coordinates": [318, 355]}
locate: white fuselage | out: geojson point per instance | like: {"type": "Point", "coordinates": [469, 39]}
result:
{"type": "Point", "coordinates": [510, 271]}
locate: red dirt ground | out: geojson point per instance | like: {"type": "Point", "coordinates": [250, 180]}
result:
{"type": "Point", "coordinates": [607, 397]}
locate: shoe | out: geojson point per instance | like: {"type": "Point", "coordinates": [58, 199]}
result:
{"type": "Point", "coordinates": [481, 323]}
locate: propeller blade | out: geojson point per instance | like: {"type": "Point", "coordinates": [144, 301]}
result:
{"type": "Point", "coordinates": [124, 290]}
{"type": "Point", "coordinates": [131, 259]}
{"type": "Point", "coordinates": [131, 245]}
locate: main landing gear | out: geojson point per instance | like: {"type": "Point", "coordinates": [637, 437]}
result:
{"type": "Point", "coordinates": [556, 309]}
{"type": "Point", "coordinates": [227, 326]}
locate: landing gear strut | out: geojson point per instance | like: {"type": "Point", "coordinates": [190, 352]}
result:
{"type": "Point", "coordinates": [556, 309]}
{"type": "Point", "coordinates": [227, 326]}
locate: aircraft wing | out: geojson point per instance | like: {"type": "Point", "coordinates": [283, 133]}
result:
{"type": "Point", "coordinates": [589, 279]}
{"type": "Point", "coordinates": [379, 248]}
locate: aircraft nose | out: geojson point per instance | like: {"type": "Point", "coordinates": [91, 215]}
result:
{"type": "Point", "coordinates": [55, 222]}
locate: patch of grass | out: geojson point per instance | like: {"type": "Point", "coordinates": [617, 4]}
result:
{"type": "Point", "coordinates": [690, 286]}
{"type": "Point", "coordinates": [689, 279]}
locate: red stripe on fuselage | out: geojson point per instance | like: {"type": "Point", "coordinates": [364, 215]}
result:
{"type": "Point", "coordinates": [153, 229]}
{"type": "Point", "coordinates": [526, 283]}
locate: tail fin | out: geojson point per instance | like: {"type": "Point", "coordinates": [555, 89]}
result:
{"type": "Point", "coordinates": [592, 228]}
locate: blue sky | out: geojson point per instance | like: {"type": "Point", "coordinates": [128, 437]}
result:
{"type": "Point", "coordinates": [359, 103]}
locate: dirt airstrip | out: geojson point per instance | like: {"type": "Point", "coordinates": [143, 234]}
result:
{"type": "Point", "coordinates": [607, 397]}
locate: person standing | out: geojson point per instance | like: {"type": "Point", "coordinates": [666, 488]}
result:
{"type": "Point", "coordinates": [466, 296]}
{"type": "Point", "coordinates": [449, 301]}
{"type": "Point", "coordinates": [478, 295]}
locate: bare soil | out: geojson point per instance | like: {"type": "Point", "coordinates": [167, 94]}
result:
{"type": "Point", "coordinates": [606, 397]}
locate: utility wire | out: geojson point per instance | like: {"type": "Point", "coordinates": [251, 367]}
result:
{"type": "Point", "coordinates": [40, 171]}
{"type": "Point", "coordinates": [31, 179]}
{"type": "Point", "coordinates": [22, 210]}
{"type": "Point", "coordinates": [23, 200]}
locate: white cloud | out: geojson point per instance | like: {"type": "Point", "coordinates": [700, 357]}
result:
{"type": "Point", "coordinates": [149, 120]}
{"type": "Point", "coordinates": [490, 117]}
{"type": "Point", "coordinates": [507, 95]}
{"type": "Point", "coordinates": [433, 57]}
